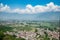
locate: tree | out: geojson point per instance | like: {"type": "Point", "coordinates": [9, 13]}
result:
{"type": "Point", "coordinates": [46, 37]}
{"type": "Point", "coordinates": [1, 35]}
{"type": "Point", "coordinates": [10, 37]}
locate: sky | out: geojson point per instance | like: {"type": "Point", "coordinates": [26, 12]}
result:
{"type": "Point", "coordinates": [29, 6]}
{"type": "Point", "coordinates": [23, 3]}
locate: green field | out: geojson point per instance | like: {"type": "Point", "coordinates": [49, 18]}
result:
{"type": "Point", "coordinates": [28, 26]}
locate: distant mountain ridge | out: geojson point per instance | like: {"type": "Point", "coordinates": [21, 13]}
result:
{"type": "Point", "coordinates": [37, 16]}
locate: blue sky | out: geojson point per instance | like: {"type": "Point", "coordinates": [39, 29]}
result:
{"type": "Point", "coordinates": [23, 3]}
{"type": "Point", "coordinates": [29, 6]}
{"type": "Point", "coordinates": [45, 9]}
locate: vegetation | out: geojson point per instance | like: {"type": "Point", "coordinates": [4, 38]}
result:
{"type": "Point", "coordinates": [27, 26]}
{"type": "Point", "coordinates": [8, 37]}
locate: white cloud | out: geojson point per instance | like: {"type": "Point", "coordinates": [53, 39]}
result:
{"type": "Point", "coordinates": [4, 8]}
{"type": "Point", "coordinates": [30, 9]}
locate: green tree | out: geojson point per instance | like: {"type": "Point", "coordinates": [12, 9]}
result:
{"type": "Point", "coordinates": [46, 37]}
{"type": "Point", "coordinates": [1, 35]}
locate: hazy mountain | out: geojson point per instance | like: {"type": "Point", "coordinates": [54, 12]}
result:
{"type": "Point", "coordinates": [37, 16]}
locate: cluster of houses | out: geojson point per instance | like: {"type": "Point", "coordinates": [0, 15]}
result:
{"type": "Point", "coordinates": [32, 35]}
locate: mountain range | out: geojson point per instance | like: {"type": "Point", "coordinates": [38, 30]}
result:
{"type": "Point", "coordinates": [37, 16]}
